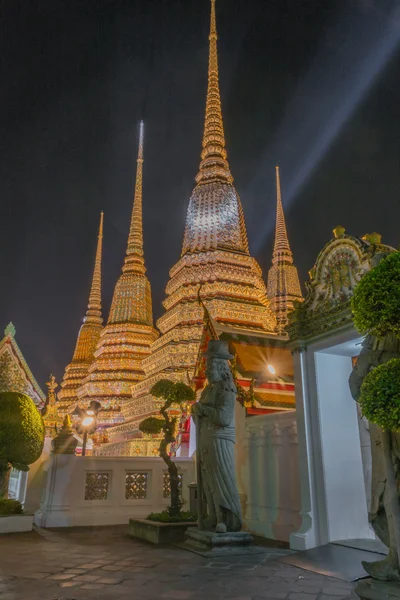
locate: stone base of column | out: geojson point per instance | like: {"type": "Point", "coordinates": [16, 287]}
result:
{"type": "Point", "coordinates": [211, 544]}
{"type": "Point", "coordinates": [371, 589]}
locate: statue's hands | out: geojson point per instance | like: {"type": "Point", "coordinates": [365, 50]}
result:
{"type": "Point", "coordinates": [196, 409]}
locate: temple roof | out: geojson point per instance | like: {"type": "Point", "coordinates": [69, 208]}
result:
{"type": "Point", "coordinates": [15, 375]}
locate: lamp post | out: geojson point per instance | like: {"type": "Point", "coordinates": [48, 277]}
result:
{"type": "Point", "coordinates": [88, 422]}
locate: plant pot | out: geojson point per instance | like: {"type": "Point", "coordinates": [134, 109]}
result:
{"type": "Point", "coordinates": [16, 523]}
{"type": "Point", "coordinates": [159, 533]}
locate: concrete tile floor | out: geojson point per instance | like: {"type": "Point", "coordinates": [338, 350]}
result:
{"type": "Point", "coordinates": [105, 564]}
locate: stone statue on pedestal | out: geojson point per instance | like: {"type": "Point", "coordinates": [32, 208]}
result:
{"type": "Point", "coordinates": [374, 353]}
{"type": "Point", "coordinates": [214, 415]}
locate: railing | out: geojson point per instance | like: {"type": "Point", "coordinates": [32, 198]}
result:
{"type": "Point", "coordinates": [99, 490]}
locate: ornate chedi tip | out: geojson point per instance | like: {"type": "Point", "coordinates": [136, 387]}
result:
{"type": "Point", "coordinates": [125, 340]}
{"type": "Point", "coordinates": [86, 342]}
{"type": "Point", "coordinates": [93, 313]}
{"type": "Point", "coordinates": [213, 164]}
{"type": "Point", "coordinates": [215, 216]}
{"type": "Point", "coordinates": [281, 245]}
{"type": "Point", "coordinates": [134, 252]}
{"type": "Point", "coordinates": [126, 306]}
{"type": "Point", "coordinates": [283, 280]}
{"type": "Point", "coordinates": [88, 335]}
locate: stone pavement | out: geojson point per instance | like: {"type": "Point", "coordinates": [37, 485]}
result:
{"type": "Point", "coordinates": [104, 564]}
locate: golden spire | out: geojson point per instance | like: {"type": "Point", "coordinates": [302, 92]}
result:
{"type": "Point", "coordinates": [134, 252]}
{"type": "Point", "coordinates": [93, 313]}
{"type": "Point", "coordinates": [281, 245]}
{"type": "Point", "coordinates": [88, 335]}
{"type": "Point", "coordinates": [283, 280]}
{"type": "Point", "coordinates": [213, 157]}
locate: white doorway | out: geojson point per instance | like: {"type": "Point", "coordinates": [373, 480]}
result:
{"type": "Point", "coordinates": [334, 460]}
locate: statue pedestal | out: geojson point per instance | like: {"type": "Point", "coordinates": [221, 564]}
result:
{"type": "Point", "coordinates": [371, 589]}
{"type": "Point", "coordinates": [211, 544]}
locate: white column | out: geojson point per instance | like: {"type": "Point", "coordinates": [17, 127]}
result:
{"type": "Point", "coordinates": [307, 535]}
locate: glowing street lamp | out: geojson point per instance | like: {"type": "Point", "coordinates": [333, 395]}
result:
{"type": "Point", "coordinates": [271, 369]}
{"type": "Point", "coordinates": [88, 422]}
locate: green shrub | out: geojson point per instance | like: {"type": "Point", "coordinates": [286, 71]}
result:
{"type": "Point", "coordinates": [165, 517]}
{"type": "Point", "coordinates": [172, 393]}
{"type": "Point", "coordinates": [376, 300]}
{"type": "Point", "coordinates": [21, 434]}
{"type": "Point", "coordinates": [380, 395]}
{"type": "Point", "coordinates": [10, 507]}
{"type": "Point", "coordinates": [152, 425]}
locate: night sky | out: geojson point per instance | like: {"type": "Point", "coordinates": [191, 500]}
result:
{"type": "Point", "coordinates": [312, 85]}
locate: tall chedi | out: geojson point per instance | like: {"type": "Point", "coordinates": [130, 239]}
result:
{"type": "Point", "coordinates": [88, 337]}
{"type": "Point", "coordinates": [215, 254]}
{"type": "Point", "coordinates": [125, 340]}
{"type": "Point", "coordinates": [283, 280]}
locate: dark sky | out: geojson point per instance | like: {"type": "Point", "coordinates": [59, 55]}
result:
{"type": "Point", "coordinates": [76, 77]}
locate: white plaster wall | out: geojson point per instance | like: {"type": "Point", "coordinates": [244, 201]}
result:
{"type": "Point", "coordinates": [268, 475]}
{"type": "Point", "coordinates": [343, 478]}
{"type": "Point", "coordinates": [36, 480]}
{"type": "Point", "coordinates": [64, 503]}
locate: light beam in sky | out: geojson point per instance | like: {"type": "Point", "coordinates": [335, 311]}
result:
{"type": "Point", "coordinates": [352, 55]}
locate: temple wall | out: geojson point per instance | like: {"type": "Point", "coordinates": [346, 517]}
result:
{"type": "Point", "coordinates": [100, 490]}
{"type": "Point", "coordinates": [268, 473]}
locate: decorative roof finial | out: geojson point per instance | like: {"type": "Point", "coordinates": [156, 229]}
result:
{"type": "Point", "coordinates": [10, 330]}
{"type": "Point", "coordinates": [134, 252]}
{"type": "Point", "coordinates": [52, 384]}
{"type": "Point", "coordinates": [338, 232]}
{"type": "Point", "coordinates": [213, 164]}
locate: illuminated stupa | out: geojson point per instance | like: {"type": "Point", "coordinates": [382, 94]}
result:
{"type": "Point", "coordinates": [283, 279]}
{"type": "Point", "coordinates": [125, 340]}
{"type": "Point", "coordinates": [88, 337]}
{"type": "Point", "coordinates": [215, 255]}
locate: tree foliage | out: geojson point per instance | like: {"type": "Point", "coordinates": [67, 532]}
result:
{"type": "Point", "coordinates": [21, 430]}
{"type": "Point", "coordinates": [380, 395]}
{"type": "Point", "coordinates": [376, 300]}
{"type": "Point", "coordinates": [172, 393]}
{"type": "Point", "coordinates": [152, 425]}
{"type": "Point", "coordinates": [21, 434]}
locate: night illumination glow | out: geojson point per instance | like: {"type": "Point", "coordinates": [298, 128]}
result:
{"type": "Point", "coordinates": [271, 369]}
{"type": "Point", "coordinates": [351, 58]}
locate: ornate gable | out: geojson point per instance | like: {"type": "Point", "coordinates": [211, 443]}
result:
{"type": "Point", "coordinates": [15, 375]}
{"type": "Point", "coordinates": [339, 267]}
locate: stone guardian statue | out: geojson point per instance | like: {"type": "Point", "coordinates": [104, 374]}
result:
{"type": "Point", "coordinates": [215, 433]}
{"type": "Point", "coordinates": [374, 353]}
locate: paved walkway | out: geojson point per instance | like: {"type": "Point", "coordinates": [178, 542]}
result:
{"type": "Point", "coordinates": [104, 564]}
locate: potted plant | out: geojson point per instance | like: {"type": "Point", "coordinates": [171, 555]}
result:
{"type": "Point", "coordinates": [375, 383]}
{"type": "Point", "coordinates": [21, 443]}
{"type": "Point", "coordinates": [169, 525]}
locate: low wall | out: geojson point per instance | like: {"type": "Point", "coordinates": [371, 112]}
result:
{"type": "Point", "coordinates": [271, 475]}
{"type": "Point", "coordinates": [100, 490]}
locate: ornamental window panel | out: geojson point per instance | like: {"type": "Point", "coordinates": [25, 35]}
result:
{"type": "Point", "coordinates": [96, 485]}
{"type": "Point", "coordinates": [167, 485]}
{"type": "Point", "coordinates": [136, 486]}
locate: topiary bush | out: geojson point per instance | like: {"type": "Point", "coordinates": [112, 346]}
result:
{"type": "Point", "coordinates": [376, 299]}
{"type": "Point", "coordinates": [10, 507]}
{"type": "Point", "coordinates": [21, 435]}
{"type": "Point", "coordinates": [165, 517]}
{"type": "Point", "coordinates": [380, 395]}
{"type": "Point", "coordinates": [171, 393]}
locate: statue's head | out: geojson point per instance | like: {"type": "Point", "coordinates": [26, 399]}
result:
{"type": "Point", "coordinates": [217, 355]}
